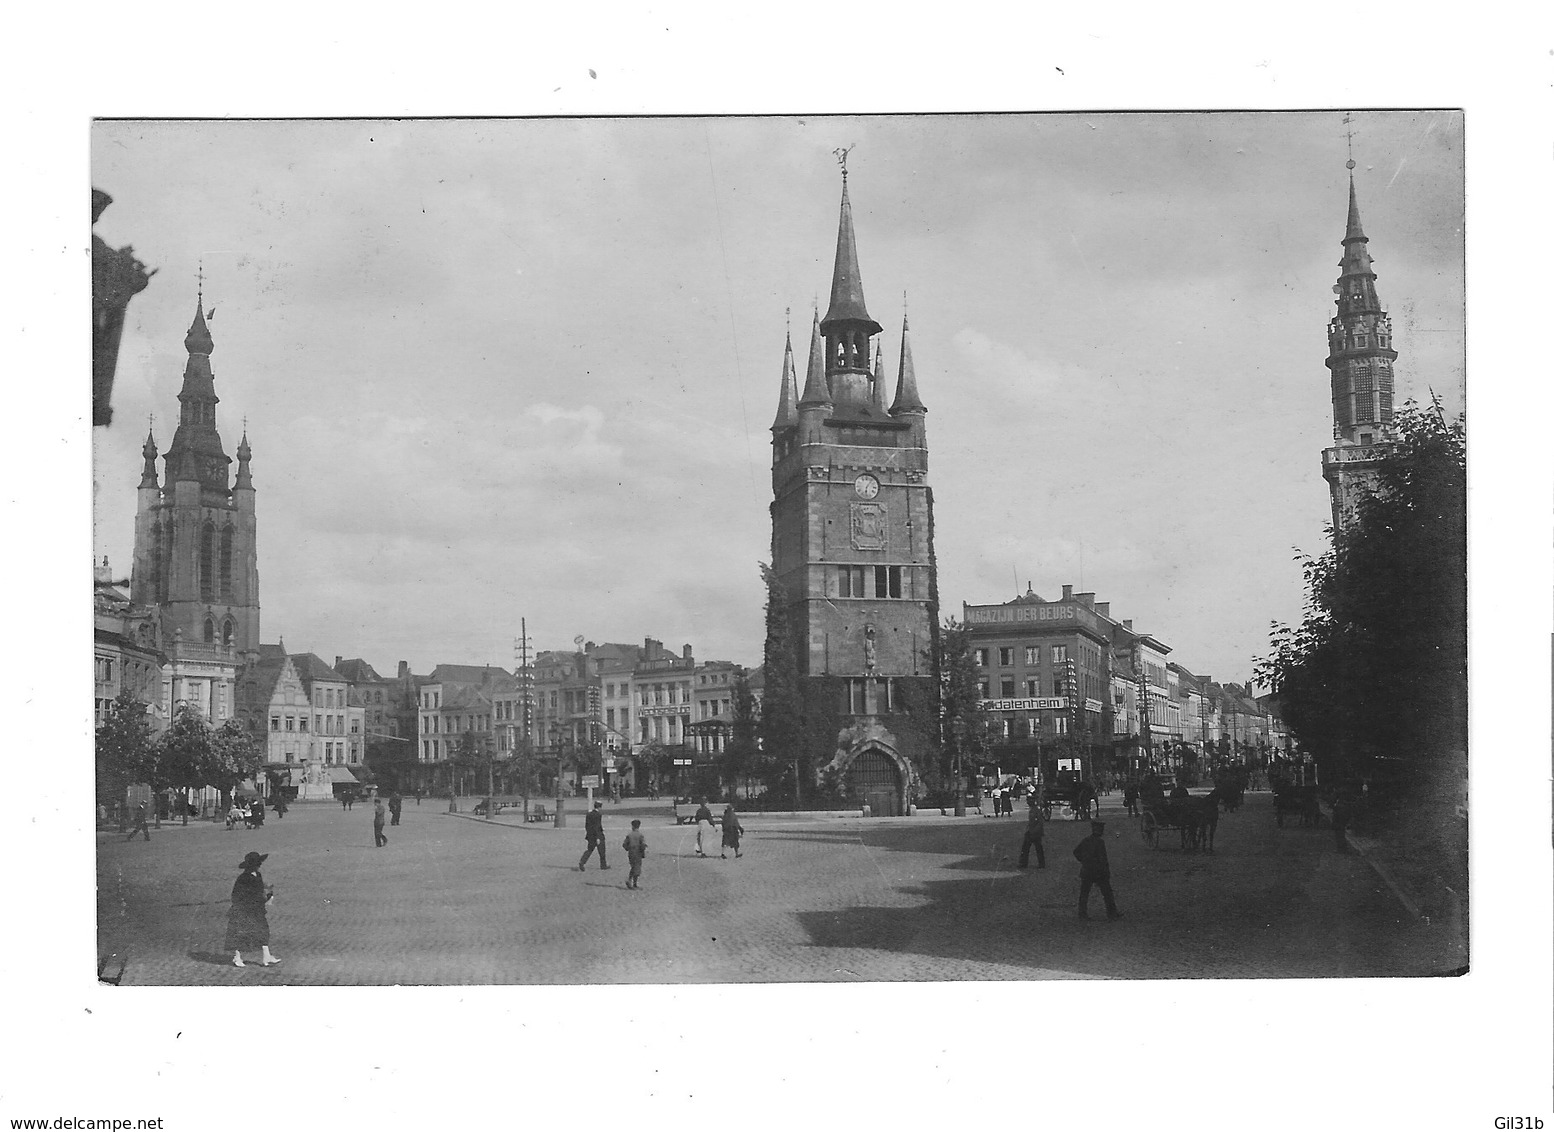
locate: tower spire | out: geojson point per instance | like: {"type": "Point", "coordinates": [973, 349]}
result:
{"type": "Point", "coordinates": [787, 399]}
{"type": "Point", "coordinates": [196, 451]}
{"type": "Point", "coordinates": [1360, 357]}
{"type": "Point", "coordinates": [816, 392]}
{"type": "Point", "coordinates": [148, 453]}
{"type": "Point", "coordinates": [847, 305]}
{"type": "Point", "coordinates": [907, 400]}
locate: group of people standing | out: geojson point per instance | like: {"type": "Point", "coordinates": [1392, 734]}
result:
{"type": "Point", "coordinates": [636, 842]}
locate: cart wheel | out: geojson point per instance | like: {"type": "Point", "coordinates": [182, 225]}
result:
{"type": "Point", "coordinates": [1150, 829]}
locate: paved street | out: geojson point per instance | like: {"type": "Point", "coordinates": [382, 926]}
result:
{"type": "Point", "coordinates": [452, 900]}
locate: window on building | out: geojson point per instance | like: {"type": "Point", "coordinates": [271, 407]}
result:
{"type": "Point", "coordinates": [1032, 688]}
{"type": "Point", "coordinates": [304, 722]}
{"type": "Point", "coordinates": [1005, 657]}
{"type": "Point", "coordinates": [275, 723]}
{"type": "Point", "coordinates": [1059, 654]}
{"type": "Point", "coordinates": [1006, 688]}
{"type": "Point", "coordinates": [982, 689]}
{"type": "Point", "coordinates": [1032, 655]}
{"type": "Point", "coordinates": [291, 723]}
{"type": "Point", "coordinates": [1060, 725]}
{"type": "Point", "coordinates": [1057, 685]}
{"type": "Point", "coordinates": [980, 656]}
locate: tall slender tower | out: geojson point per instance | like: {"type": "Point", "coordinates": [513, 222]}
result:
{"type": "Point", "coordinates": [852, 542]}
{"type": "Point", "coordinates": [196, 558]}
{"type": "Point", "coordinates": [1360, 357]}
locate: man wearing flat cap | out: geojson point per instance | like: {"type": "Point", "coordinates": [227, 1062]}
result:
{"type": "Point", "coordinates": [1095, 869]}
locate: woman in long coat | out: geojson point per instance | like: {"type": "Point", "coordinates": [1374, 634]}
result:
{"type": "Point", "coordinates": [731, 831]}
{"type": "Point", "coordinates": [247, 925]}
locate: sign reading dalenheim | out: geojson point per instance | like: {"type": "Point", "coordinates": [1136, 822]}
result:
{"type": "Point", "coordinates": [1046, 703]}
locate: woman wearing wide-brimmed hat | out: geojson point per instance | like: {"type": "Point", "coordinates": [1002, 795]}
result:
{"type": "Point", "coordinates": [247, 925]}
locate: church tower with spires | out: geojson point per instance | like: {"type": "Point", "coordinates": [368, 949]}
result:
{"type": "Point", "coordinates": [1359, 357]}
{"type": "Point", "coordinates": [196, 558]}
{"type": "Point", "coordinates": [852, 546]}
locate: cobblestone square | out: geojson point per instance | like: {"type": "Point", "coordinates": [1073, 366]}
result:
{"type": "Point", "coordinates": [456, 900]}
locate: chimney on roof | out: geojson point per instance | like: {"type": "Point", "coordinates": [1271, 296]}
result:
{"type": "Point", "coordinates": [1104, 608]}
{"type": "Point", "coordinates": [1087, 598]}
{"type": "Point", "coordinates": [686, 652]}
{"type": "Point", "coordinates": [1128, 625]}
{"type": "Point", "coordinates": [338, 659]}
{"type": "Point", "coordinates": [588, 646]}
{"type": "Point", "coordinates": [404, 670]}
{"type": "Point", "coordinates": [1068, 593]}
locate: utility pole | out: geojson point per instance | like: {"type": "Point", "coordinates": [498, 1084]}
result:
{"type": "Point", "coordinates": [526, 696]}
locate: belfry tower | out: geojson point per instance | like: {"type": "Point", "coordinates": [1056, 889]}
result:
{"type": "Point", "coordinates": [196, 559]}
{"type": "Point", "coordinates": [1360, 357]}
{"type": "Point", "coordinates": [852, 542]}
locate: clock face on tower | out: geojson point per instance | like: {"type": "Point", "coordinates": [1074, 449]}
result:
{"type": "Point", "coordinates": [866, 486]}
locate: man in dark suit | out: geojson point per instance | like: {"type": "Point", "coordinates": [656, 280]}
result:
{"type": "Point", "coordinates": [1095, 869]}
{"type": "Point", "coordinates": [593, 829]}
{"type": "Point", "coordinates": [1035, 828]}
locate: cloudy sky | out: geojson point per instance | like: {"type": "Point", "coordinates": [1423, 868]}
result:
{"type": "Point", "coordinates": [497, 369]}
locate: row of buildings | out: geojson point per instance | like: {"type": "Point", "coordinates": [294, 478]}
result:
{"type": "Point", "coordinates": [1063, 675]}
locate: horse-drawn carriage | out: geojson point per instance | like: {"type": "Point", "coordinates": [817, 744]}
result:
{"type": "Point", "coordinates": [1065, 787]}
{"type": "Point", "coordinates": [1299, 801]}
{"type": "Point", "coordinates": [1195, 818]}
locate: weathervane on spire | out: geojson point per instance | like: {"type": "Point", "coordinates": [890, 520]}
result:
{"type": "Point", "coordinates": [199, 276]}
{"type": "Point", "coordinates": [1349, 136]}
{"type": "Point", "coordinates": [841, 158]}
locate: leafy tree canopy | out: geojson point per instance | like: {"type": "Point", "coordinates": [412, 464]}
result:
{"type": "Point", "coordinates": [1377, 668]}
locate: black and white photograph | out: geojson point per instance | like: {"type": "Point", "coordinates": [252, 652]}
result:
{"type": "Point", "coordinates": [910, 503]}
{"type": "Point", "coordinates": [637, 581]}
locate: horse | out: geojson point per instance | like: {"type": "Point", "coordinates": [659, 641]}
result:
{"type": "Point", "coordinates": [1205, 817]}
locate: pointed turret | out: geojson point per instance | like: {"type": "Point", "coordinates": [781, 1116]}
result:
{"type": "Point", "coordinates": [148, 453]}
{"type": "Point", "coordinates": [907, 400]}
{"type": "Point", "coordinates": [787, 400]}
{"type": "Point", "coordinates": [847, 326]}
{"type": "Point", "coordinates": [244, 454]}
{"type": "Point", "coordinates": [847, 303]}
{"type": "Point", "coordinates": [1357, 258]}
{"type": "Point", "coordinates": [196, 452]}
{"type": "Point", "coordinates": [816, 391]}
{"type": "Point", "coordinates": [198, 339]}
{"type": "Point", "coordinates": [879, 377]}
{"type": "Point", "coordinates": [1355, 232]}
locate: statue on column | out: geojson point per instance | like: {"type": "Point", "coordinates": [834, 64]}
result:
{"type": "Point", "coordinates": [868, 646]}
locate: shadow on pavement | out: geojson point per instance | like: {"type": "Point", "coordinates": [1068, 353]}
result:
{"type": "Point", "coordinates": [215, 958]}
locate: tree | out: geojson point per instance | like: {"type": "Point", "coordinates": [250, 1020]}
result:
{"type": "Point", "coordinates": [234, 756]}
{"type": "Point", "coordinates": [963, 719]}
{"type": "Point", "coordinates": [782, 707]}
{"type": "Point", "coordinates": [739, 757]}
{"type": "Point", "coordinates": [469, 756]}
{"type": "Point", "coordinates": [1376, 673]}
{"type": "Point", "coordinates": [185, 757]}
{"type": "Point", "coordinates": [125, 750]}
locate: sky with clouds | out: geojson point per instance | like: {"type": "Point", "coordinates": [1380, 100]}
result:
{"type": "Point", "coordinates": [495, 369]}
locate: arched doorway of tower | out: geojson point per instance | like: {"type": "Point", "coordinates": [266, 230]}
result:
{"type": "Point", "coordinates": [874, 778]}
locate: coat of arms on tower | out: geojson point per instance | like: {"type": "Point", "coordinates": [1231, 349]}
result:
{"type": "Point", "coordinates": [868, 526]}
